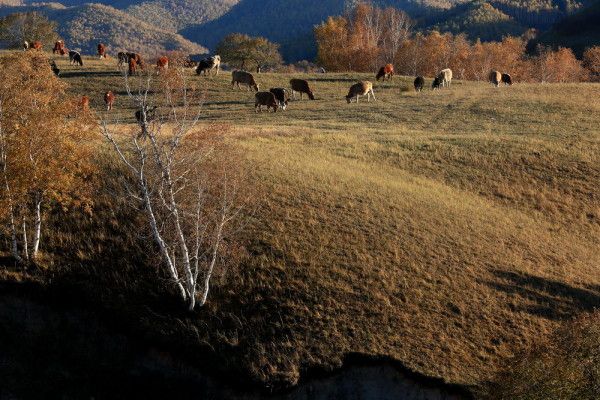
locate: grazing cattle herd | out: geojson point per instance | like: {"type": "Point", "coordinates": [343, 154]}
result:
{"type": "Point", "coordinates": [276, 98]}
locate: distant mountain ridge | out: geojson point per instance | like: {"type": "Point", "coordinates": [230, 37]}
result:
{"type": "Point", "coordinates": [92, 23]}
{"type": "Point", "coordinates": [291, 22]}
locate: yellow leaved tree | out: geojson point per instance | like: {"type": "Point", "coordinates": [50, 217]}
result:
{"type": "Point", "coordinates": [44, 151]}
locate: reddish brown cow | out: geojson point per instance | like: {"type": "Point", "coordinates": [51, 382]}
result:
{"type": "Point", "coordinates": [37, 45]}
{"type": "Point", "coordinates": [162, 63]}
{"type": "Point", "coordinates": [85, 103]}
{"type": "Point", "coordinates": [109, 99]}
{"type": "Point", "coordinates": [132, 66]}
{"type": "Point", "coordinates": [59, 48]}
{"type": "Point", "coordinates": [101, 50]}
{"type": "Point", "coordinates": [387, 71]}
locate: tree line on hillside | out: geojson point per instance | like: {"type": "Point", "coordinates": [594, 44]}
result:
{"type": "Point", "coordinates": [357, 42]}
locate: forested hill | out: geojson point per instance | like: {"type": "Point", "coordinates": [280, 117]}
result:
{"type": "Point", "coordinates": [291, 22]}
{"type": "Point", "coordinates": [578, 31]}
{"type": "Point", "coordinates": [83, 27]}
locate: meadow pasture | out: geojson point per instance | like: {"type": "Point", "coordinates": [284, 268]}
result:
{"type": "Point", "coordinates": [445, 229]}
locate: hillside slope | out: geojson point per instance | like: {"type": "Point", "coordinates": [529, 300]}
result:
{"type": "Point", "coordinates": [178, 14]}
{"type": "Point", "coordinates": [83, 27]}
{"type": "Point", "coordinates": [478, 19]}
{"type": "Point", "coordinates": [288, 23]}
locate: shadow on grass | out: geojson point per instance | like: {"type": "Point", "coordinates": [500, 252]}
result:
{"type": "Point", "coordinates": [89, 74]}
{"type": "Point", "coordinates": [545, 297]}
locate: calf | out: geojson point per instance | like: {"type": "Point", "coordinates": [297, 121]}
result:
{"type": "Point", "coordinates": [109, 99]}
{"type": "Point", "coordinates": [101, 50]}
{"type": "Point", "coordinates": [300, 85]}
{"type": "Point", "coordinates": [265, 99]}
{"type": "Point", "coordinates": [54, 68]}
{"type": "Point", "coordinates": [360, 89]}
{"type": "Point", "coordinates": [495, 78]}
{"type": "Point", "coordinates": [244, 78]}
{"type": "Point", "coordinates": [437, 83]}
{"type": "Point", "coordinates": [419, 83]}
{"type": "Point", "coordinates": [25, 45]}
{"type": "Point", "coordinates": [37, 45]}
{"type": "Point", "coordinates": [85, 103]}
{"type": "Point", "coordinates": [387, 71]}
{"type": "Point", "coordinates": [506, 79]}
{"type": "Point", "coordinates": [162, 63]}
{"type": "Point", "coordinates": [281, 97]}
{"type": "Point", "coordinates": [75, 58]}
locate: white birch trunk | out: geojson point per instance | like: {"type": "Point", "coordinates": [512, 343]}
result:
{"type": "Point", "coordinates": [37, 225]}
{"type": "Point", "coordinates": [25, 244]}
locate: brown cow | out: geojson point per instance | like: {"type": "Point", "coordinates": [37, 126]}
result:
{"type": "Point", "coordinates": [132, 66]}
{"type": "Point", "coordinates": [59, 48]}
{"type": "Point", "coordinates": [37, 45]}
{"type": "Point", "coordinates": [387, 71]}
{"type": "Point", "coordinates": [162, 63]}
{"type": "Point", "coordinates": [109, 99]}
{"type": "Point", "coordinates": [85, 103]}
{"type": "Point", "coordinates": [101, 50]}
{"type": "Point", "coordinates": [301, 86]}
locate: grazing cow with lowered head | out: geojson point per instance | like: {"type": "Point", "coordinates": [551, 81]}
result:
{"type": "Point", "coordinates": [162, 63]}
{"type": "Point", "coordinates": [507, 79]}
{"type": "Point", "coordinates": [445, 77]}
{"type": "Point", "coordinates": [265, 99]}
{"type": "Point", "coordinates": [387, 71]}
{"type": "Point", "coordinates": [75, 58]}
{"type": "Point", "coordinates": [208, 64]}
{"type": "Point", "coordinates": [360, 89]}
{"type": "Point", "coordinates": [59, 48]}
{"type": "Point", "coordinates": [101, 50]}
{"type": "Point", "coordinates": [419, 83]}
{"type": "Point", "coordinates": [495, 78]}
{"type": "Point", "coordinates": [109, 99]}
{"type": "Point", "coordinates": [437, 83]}
{"type": "Point", "coordinates": [281, 96]}
{"type": "Point", "coordinates": [301, 86]}
{"type": "Point", "coordinates": [245, 78]}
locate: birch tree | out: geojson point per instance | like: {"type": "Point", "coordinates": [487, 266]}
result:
{"type": "Point", "coordinates": [44, 156]}
{"type": "Point", "coordinates": [184, 180]}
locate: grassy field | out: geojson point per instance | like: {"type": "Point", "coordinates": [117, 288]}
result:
{"type": "Point", "coordinates": [444, 229]}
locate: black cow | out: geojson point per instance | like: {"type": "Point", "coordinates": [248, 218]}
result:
{"type": "Point", "coordinates": [419, 83]}
{"type": "Point", "coordinates": [281, 96]}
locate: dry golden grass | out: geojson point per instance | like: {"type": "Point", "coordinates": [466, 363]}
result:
{"type": "Point", "coordinates": [444, 229]}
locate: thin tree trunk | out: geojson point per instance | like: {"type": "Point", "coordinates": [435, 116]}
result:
{"type": "Point", "coordinates": [13, 234]}
{"type": "Point", "coordinates": [25, 245]}
{"type": "Point", "coordinates": [37, 225]}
